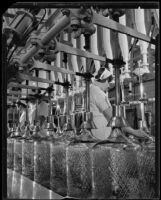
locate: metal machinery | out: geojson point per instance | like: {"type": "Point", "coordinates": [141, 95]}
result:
{"type": "Point", "coordinates": [56, 149]}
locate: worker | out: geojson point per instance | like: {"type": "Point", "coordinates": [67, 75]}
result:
{"type": "Point", "coordinates": [101, 107]}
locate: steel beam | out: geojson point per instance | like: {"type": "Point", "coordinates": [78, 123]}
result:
{"type": "Point", "coordinates": [110, 24]}
{"type": "Point", "coordinates": [47, 67]}
{"type": "Point", "coordinates": [74, 51]}
{"type": "Point", "coordinates": [11, 98]}
{"type": "Point", "coordinates": [17, 85]}
{"type": "Point", "coordinates": [32, 78]}
{"type": "Point", "coordinates": [15, 93]}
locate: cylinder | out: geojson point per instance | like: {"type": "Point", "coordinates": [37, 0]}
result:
{"type": "Point", "coordinates": [117, 85]}
{"type": "Point", "coordinates": [114, 172]}
{"type": "Point", "coordinates": [87, 96]}
{"type": "Point", "coordinates": [58, 181]}
{"type": "Point", "coordinates": [18, 156]}
{"type": "Point", "coordinates": [147, 174]}
{"type": "Point", "coordinates": [101, 174]}
{"type": "Point", "coordinates": [26, 188]}
{"type": "Point", "coordinates": [42, 163]}
{"type": "Point", "coordinates": [10, 153]}
{"type": "Point", "coordinates": [9, 181]}
{"type": "Point", "coordinates": [79, 177]}
{"type": "Point", "coordinates": [16, 182]}
{"type": "Point", "coordinates": [28, 159]}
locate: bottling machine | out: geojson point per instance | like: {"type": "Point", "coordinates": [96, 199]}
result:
{"type": "Point", "coordinates": [55, 155]}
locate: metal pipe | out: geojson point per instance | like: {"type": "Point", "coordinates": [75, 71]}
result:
{"type": "Point", "coordinates": [75, 63]}
{"type": "Point", "coordinates": [117, 85]}
{"type": "Point", "coordinates": [58, 64]}
{"type": "Point", "coordinates": [123, 98]}
{"type": "Point", "coordinates": [94, 47]}
{"type": "Point", "coordinates": [50, 103]}
{"type": "Point", "coordinates": [107, 45]}
{"type": "Point", "coordinates": [87, 96]}
{"type": "Point", "coordinates": [140, 24]}
{"type": "Point", "coordinates": [108, 23]}
{"type": "Point", "coordinates": [124, 44]}
{"type": "Point", "coordinates": [142, 107]}
{"type": "Point", "coordinates": [63, 22]}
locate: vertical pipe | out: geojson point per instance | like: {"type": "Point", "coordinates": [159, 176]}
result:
{"type": "Point", "coordinates": [74, 61]}
{"type": "Point", "coordinates": [82, 44]}
{"type": "Point", "coordinates": [84, 64]}
{"type": "Point", "coordinates": [53, 79]}
{"type": "Point", "coordinates": [107, 46]}
{"type": "Point", "coordinates": [59, 74]}
{"type": "Point", "coordinates": [66, 38]}
{"type": "Point", "coordinates": [124, 43]}
{"type": "Point", "coordinates": [27, 116]}
{"type": "Point", "coordinates": [117, 85]}
{"type": "Point", "coordinates": [87, 96]}
{"type": "Point", "coordinates": [50, 104]}
{"type": "Point", "coordinates": [94, 48]}
{"type": "Point", "coordinates": [36, 112]}
{"type": "Point", "coordinates": [140, 24]}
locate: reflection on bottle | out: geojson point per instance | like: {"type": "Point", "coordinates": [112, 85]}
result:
{"type": "Point", "coordinates": [42, 163]}
{"type": "Point", "coordinates": [16, 182]}
{"type": "Point", "coordinates": [26, 188]}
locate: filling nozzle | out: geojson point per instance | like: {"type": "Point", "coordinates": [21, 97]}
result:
{"type": "Point", "coordinates": [58, 112]}
{"type": "Point", "coordinates": [13, 124]}
{"type": "Point", "coordinates": [50, 125]}
{"type": "Point", "coordinates": [12, 129]}
{"type": "Point", "coordinates": [117, 121]}
{"type": "Point", "coordinates": [27, 133]}
{"type": "Point", "coordinates": [67, 126]}
{"type": "Point", "coordinates": [88, 122]}
{"type": "Point", "coordinates": [36, 130]}
{"type": "Point", "coordinates": [18, 131]}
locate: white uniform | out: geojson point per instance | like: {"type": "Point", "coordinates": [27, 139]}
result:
{"type": "Point", "coordinates": [98, 103]}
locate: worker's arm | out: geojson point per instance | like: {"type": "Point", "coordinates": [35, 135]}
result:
{"type": "Point", "coordinates": [135, 132]}
{"type": "Point", "coordinates": [108, 113]}
{"type": "Point", "coordinates": [105, 107]}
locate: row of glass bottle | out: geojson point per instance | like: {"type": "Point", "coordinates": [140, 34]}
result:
{"type": "Point", "coordinates": [77, 170]}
